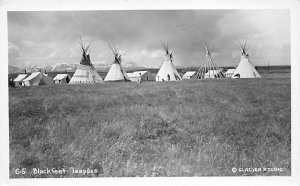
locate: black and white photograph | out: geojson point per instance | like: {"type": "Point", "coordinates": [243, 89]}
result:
{"type": "Point", "coordinates": [138, 92]}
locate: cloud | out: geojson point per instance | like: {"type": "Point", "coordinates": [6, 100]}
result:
{"type": "Point", "coordinates": [13, 53]}
{"type": "Point", "coordinates": [52, 55]}
{"type": "Point", "coordinates": [44, 38]}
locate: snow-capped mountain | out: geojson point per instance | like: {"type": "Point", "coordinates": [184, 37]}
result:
{"type": "Point", "coordinates": [100, 66]}
{"type": "Point", "coordinates": [61, 67]}
{"type": "Point", "coordinates": [132, 65]}
{"type": "Point", "coordinates": [12, 69]}
{"type": "Point", "coordinates": [34, 69]}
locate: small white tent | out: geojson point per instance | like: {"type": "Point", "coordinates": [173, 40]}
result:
{"type": "Point", "coordinates": [61, 78]}
{"type": "Point", "coordinates": [188, 75]}
{"type": "Point", "coordinates": [86, 72]}
{"type": "Point", "coordinates": [141, 76]}
{"type": "Point", "coordinates": [19, 79]}
{"type": "Point", "coordinates": [167, 71]}
{"type": "Point", "coordinates": [116, 71]}
{"type": "Point", "coordinates": [37, 78]}
{"type": "Point", "coordinates": [213, 74]}
{"type": "Point", "coordinates": [245, 69]}
{"type": "Point", "coordinates": [229, 72]}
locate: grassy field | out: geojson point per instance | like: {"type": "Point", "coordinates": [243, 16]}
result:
{"type": "Point", "coordinates": [187, 128]}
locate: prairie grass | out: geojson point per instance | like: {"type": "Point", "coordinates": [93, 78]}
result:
{"type": "Point", "coordinates": [187, 128]}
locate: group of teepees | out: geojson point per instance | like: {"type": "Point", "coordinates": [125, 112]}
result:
{"type": "Point", "coordinates": [209, 68]}
{"type": "Point", "coordinates": [87, 73]}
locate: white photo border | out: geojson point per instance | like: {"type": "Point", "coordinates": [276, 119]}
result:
{"type": "Point", "coordinates": [71, 5]}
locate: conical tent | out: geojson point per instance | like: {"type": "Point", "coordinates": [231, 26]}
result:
{"type": "Point", "coordinates": [167, 71]}
{"type": "Point", "coordinates": [245, 69]}
{"type": "Point", "coordinates": [116, 71]}
{"type": "Point", "coordinates": [209, 68]}
{"type": "Point", "coordinates": [86, 72]}
{"type": "Point", "coordinates": [36, 79]}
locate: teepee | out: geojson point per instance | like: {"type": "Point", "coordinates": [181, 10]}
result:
{"type": "Point", "coordinates": [86, 72]}
{"type": "Point", "coordinates": [116, 71]}
{"type": "Point", "coordinates": [209, 68]}
{"type": "Point", "coordinates": [245, 69]}
{"type": "Point", "coordinates": [167, 71]}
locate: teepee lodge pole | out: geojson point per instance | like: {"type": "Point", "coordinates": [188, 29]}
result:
{"type": "Point", "coordinates": [209, 68]}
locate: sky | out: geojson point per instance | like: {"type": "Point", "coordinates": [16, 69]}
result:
{"type": "Point", "coordinates": [52, 37]}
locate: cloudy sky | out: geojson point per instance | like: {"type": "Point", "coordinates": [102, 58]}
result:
{"type": "Point", "coordinates": [49, 38]}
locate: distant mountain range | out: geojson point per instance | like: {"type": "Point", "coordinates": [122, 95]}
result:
{"type": "Point", "coordinates": [72, 67]}
{"type": "Point", "coordinates": [12, 69]}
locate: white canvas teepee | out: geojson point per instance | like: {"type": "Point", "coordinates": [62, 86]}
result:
{"type": "Point", "coordinates": [167, 71]}
{"type": "Point", "coordinates": [245, 69]}
{"type": "Point", "coordinates": [209, 68]}
{"type": "Point", "coordinates": [116, 71]}
{"type": "Point", "coordinates": [86, 72]}
{"type": "Point", "coordinates": [36, 79]}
